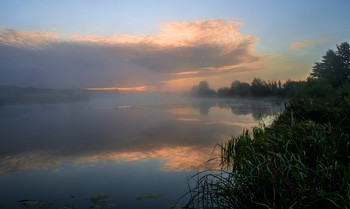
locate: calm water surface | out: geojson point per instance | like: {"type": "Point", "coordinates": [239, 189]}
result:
{"type": "Point", "coordinates": [125, 146]}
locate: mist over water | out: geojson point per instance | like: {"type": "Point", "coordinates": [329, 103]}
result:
{"type": "Point", "coordinates": [121, 145]}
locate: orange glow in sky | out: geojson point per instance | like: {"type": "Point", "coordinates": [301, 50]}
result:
{"type": "Point", "coordinates": [140, 88]}
{"type": "Point", "coordinates": [185, 73]}
{"type": "Point", "coordinates": [173, 59]}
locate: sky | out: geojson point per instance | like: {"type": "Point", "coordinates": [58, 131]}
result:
{"type": "Point", "coordinates": [164, 45]}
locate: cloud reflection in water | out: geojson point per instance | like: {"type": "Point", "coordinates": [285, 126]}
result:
{"type": "Point", "coordinates": [182, 136]}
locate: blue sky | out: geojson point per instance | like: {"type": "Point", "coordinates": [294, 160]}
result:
{"type": "Point", "coordinates": [266, 19]}
{"type": "Point", "coordinates": [276, 25]}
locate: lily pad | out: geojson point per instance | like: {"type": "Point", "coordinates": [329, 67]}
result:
{"type": "Point", "coordinates": [67, 207]}
{"type": "Point", "coordinates": [100, 199]}
{"type": "Point", "coordinates": [29, 203]}
{"type": "Point", "coordinates": [174, 207]}
{"type": "Point", "coordinates": [151, 196]}
{"type": "Point", "coordinates": [45, 205]}
{"type": "Point", "coordinates": [112, 205]}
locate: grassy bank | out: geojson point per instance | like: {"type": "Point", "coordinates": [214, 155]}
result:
{"type": "Point", "coordinates": [301, 161]}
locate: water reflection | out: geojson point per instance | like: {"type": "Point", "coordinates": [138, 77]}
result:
{"type": "Point", "coordinates": [204, 107]}
{"type": "Point", "coordinates": [181, 135]}
{"type": "Point", "coordinates": [122, 146]}
{"type": "Point", "coordinates": [175, 159]}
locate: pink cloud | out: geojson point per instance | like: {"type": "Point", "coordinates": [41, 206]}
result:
{"type": "Point", "coordinates": [175, 34]}
{"type": "Point", "coordinates": [179, 50]}
{"type": "Point", "coordinates": [31, 39]}
{"type": "Point", "coordinates": [303, 44]}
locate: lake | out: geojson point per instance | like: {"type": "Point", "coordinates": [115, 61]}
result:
{"type": "Point", "coordinates": [137, 149]}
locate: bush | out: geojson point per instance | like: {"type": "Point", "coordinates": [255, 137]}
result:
{"type": "Point", "coordinates": [315, 88]}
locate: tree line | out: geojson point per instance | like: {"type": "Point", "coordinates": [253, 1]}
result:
{"type": "Point", "coordinates": [330, 75]}
{"type": "Point", "coordinates": [257, 88]}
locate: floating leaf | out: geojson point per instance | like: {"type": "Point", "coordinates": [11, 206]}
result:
{"type": "Point", "coordinates": [174, 207]}
{"type": "Point", "coordinates": [67, 207]}
{"type": "Point", "coordinates": [151, 196]}
{"type": "Point", "coordinates": [100, 199]}
{"type": "Point", "coordinates": [46, 205]}
{"type": "Point", "coordinates": [112, 205]}
{"type": "Point", "coordinates": [29, 203]}
{"type": "Point", "coordinates": [97, 207]}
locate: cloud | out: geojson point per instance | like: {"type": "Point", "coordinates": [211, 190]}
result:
{"type": "Point", "coordinates": [299, 45]}
{"type": "Point", "coordinates": [179, 50]}
{"type": "Point", "coordinates": [30, 39]}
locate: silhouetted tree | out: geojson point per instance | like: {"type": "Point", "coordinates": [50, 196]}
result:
{"type": "Point", "coordinates": [234, 88]}
{"type": "Point", "coordinates": [314, 88]}
{"type": "Point", "coordinates": [244, 89]}
{"type": "Point", "coordinates": [279, 84]}
{"type": "Point", "coordinates": [223, 92]}
{"type": "Point", "coordinates": [241, 89]}
{"type": "Point", "coordinates": [335, 66]}
{"type": "Point", "coordinates": [202, 90]}
{"type": "Point", "coordinates": [290, 87]}
{"type": "Point", "coordinates": [344, 55]}
{"type": "Point", "coordinates": [259, 88]}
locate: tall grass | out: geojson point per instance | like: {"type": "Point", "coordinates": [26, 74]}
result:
{"type": "Point", "coordinates": [301, 161]}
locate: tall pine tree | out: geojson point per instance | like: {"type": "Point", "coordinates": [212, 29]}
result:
{"type": "Point", "coordinates": [335, 66]}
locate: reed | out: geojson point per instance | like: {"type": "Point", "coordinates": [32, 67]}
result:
{"type": "Point", "coordinates": [301, 161]}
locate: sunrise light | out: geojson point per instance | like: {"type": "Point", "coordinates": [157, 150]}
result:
{"type": "Point", "coordinates": [139, 88]}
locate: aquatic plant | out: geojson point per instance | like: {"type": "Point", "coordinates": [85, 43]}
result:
{"type": "Point", "coordinates": [98, 202]}
{"type": "Point", "coordinates": [151, 196]}
{"type": "Point", "coordinates": [301, 161]}
{"type": "Point", "coordinates": [34, 204]}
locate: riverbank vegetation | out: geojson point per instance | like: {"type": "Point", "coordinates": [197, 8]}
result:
{"type": "Point", "coordinates": [302, 160]}
{"type": "Point", "coordinates": [332, 71]}
{"type": "Point", "coordinates": [257, 88]}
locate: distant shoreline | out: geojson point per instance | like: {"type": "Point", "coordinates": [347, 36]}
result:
{"type": "Point", "coordinates": [10, 95]}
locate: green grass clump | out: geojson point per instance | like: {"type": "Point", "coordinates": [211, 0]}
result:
{"type": "Point", "coordinates": [301, 161]}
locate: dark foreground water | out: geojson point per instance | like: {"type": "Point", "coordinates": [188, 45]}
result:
{"type": "Point", "coordinates": [125, 146]}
